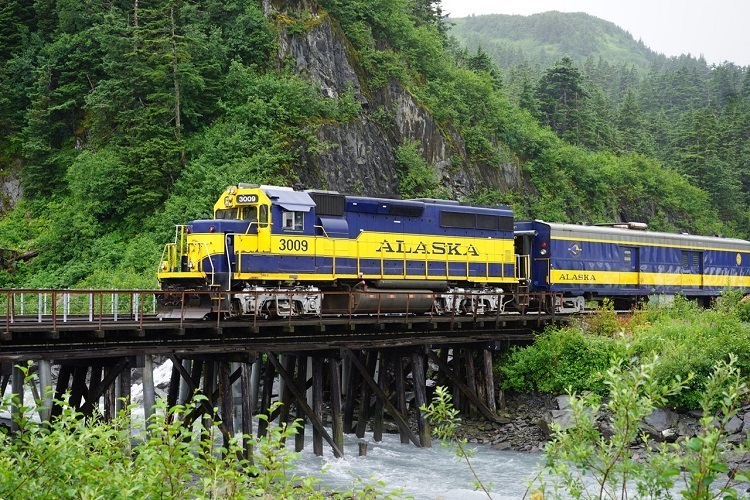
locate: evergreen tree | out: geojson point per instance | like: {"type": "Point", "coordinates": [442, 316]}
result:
{"type": "Point", "coordinates": [562, 101]}
{"type": "Point", "coordinates": [482, 62]}
{"type": "Point", "coordinates": [632, 126]}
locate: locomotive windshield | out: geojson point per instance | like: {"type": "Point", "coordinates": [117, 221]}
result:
{"type": "Point", "coordinates": [249, 213]}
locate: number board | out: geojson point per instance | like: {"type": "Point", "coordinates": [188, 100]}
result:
{"type": "Point", "coordinates": [246, 199]}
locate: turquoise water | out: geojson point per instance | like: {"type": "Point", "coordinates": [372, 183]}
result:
{"type": "Point", "coordinates": [423, 473]}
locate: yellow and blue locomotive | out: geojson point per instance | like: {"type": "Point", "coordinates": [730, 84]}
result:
{"type": "Point", "coordinates": [275, 251]}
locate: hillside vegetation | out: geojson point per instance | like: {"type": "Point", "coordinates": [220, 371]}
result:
{"type": "Point", "coordinates": [543, 39]}
{"type": "Point", "coordinates": [120, 119]}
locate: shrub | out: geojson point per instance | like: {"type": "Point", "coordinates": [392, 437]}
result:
{"type": "Point", "coordinates": [586, 464]}
{"type": "Point", "coordinates": [560, 359]}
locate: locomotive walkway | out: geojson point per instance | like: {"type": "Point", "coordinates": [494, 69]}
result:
{"type": "Point", "coordinates": [96, 338]}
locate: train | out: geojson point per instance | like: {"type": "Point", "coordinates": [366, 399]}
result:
{"type": "Point", "coordinates": [273, 251]}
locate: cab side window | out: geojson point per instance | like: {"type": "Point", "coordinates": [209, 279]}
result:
{"type": "Point", "coordinates": [292, 221]}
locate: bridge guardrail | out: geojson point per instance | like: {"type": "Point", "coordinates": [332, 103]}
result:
{"type": "Point", "coordinates": [102, 307]}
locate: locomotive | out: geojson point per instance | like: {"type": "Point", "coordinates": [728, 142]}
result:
{"type": "Point", "coordinates": [280, 252]}
{"type": "Point", "coordinates": [273, 251]}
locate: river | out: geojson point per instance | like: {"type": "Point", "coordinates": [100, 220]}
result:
{"type": "Point", "coordinates": [422, 473]}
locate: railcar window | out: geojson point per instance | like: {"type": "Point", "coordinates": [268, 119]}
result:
{"type": "Point", "coordinates": [263, 215]}
{"type": "Point", "coordinates": [293, 220]}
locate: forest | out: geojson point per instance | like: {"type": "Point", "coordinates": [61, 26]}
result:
{"type": "Point", "coordinates": [121, 118]}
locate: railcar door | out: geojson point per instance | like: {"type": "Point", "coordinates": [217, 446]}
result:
{"type": "Point", "coordinates": [691, 270]}
{"type": "Point", "coordinates": [629, 268]}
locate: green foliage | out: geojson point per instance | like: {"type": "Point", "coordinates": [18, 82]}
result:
{"type": "Point", "coordinates": [586, 464]}
{"type": "Point", "coordinates": [560, 359]}
{"type": "Point", "coordinates": [417, 179]}
{"type": "Point", "coordinates": [581, 451]}
{"type": "Point", "coordinates": [604, 321]}
{"type": "Point", "coordinates": [77, 457]}
{"type": "Point", "coordinates": [689, 340]}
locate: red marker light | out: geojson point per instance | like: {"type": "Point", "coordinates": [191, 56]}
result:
{"type": "Point", "coordinates": [210, 229]}
{"type": "Point", "coordinates": [544, 244]}
{"type": "Point", "coordinates": [187, 230]}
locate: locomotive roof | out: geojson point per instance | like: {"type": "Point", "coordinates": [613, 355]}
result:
{"type": "Point", "coordinates": [581, 232]}
{"type": "Point", "coordinates": [289, 199]}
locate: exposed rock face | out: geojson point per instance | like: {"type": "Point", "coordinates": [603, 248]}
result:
{"type": "Point", "coordinates": [360, 158]}
{"type": "Point", "coordinates": [10, 192]}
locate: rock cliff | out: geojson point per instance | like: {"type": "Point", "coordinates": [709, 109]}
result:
{"type": "Point", "coordinates": [360, 158]}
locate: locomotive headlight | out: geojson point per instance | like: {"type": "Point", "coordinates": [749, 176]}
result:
{"type": "Point", "coordinates": [191, 265]}
{"type": "Point", "coordinates": [232, 189]}
{"type": "Point", "coordinates": [228, 201]}
{"type": "Point", "coordinates": [164, 266]}
{"type": "Point", "coordinates": [543, 251]}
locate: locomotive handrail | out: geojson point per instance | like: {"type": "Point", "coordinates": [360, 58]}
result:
{"type": "Point", "coordinates": [210, 260]}
{"type": "Point", "coordinates": [251, 224]}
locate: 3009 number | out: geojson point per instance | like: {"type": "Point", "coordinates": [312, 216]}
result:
{"type": "Point", "coordinates": [293, 245]}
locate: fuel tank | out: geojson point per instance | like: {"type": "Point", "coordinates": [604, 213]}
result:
{"type": "Point", "coordinates": [379, 301]}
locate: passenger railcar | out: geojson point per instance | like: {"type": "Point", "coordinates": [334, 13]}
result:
{"type": "Point", "coordinates": [273, 242]}
{"type": "Point", "coordinates": [623, 263]}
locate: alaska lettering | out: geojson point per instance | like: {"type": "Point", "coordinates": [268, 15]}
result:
{"type": "Point", "coordinates": [577, 277]}
{"type": "Point", "coordinates": [436, 248]}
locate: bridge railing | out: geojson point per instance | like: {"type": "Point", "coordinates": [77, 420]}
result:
{"type": "Point", "coordinates": [26, 306]}
{"type": "Point", "coordinates": [29, 305]}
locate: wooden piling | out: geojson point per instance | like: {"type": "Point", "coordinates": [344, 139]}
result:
{"type": "Point", "coordinates": [317, 406]}
{"type": "Point", "coordinates": [185, 392]}
{"type": "Point", "coordinates": [149, 396]}
{"type": "Point", "coordinates": [265, 400]}
{"type": "Point", "coordinates": [455, 365]}
{"type": "Point", "coordinates": [227, 406]}
{"type": "Point", "coordinates": [247, 411]}
{"type": "Point", "coordinates": [301, 400]}
{"type": "Point", "coordinates": [110, 395]}
{"type": "Point", "coordinates": [16, 386]}
{"type": "Point", "coordinates": [489, 380]}
{"type": "Point", "coordinates": [94, 392]}
{"type": "Point", "coordinates": [173, 393]}
{"type": "Point", "coordinates": [367, 379]}
{"type": "Point", "coordinates": [471, 379]}
{"type": "Point", "coordinates": [78, 388]}
{"type": "Point", "coordinates": [63, 378]}
{"type": "Point", "coordinates": [364, 403]}
{"type": "Point", "coordinates": [45, 389]}
{"type": "Point", "coordinates": [481, 406]}
{"type": "Point", "coordinates": [337, 424]}
{"type": "Point", "coordinates": [377, 427]}
{"type": "Point", "coordinates": [349, 402]}
{"type": "Point", "coordinates": [299, 438]}
{"type": "Point", "coordinates": [420, 396]}
{"type": "Point", "coordinates": [126, 381]}
{"type": "Point", "coordinates": [398, 374]}
{"type": "Point", "coordinates": [285, 394]}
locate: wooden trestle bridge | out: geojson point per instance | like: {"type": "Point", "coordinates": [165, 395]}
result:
{"type": "Point", "coordinates": [92, 343]}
